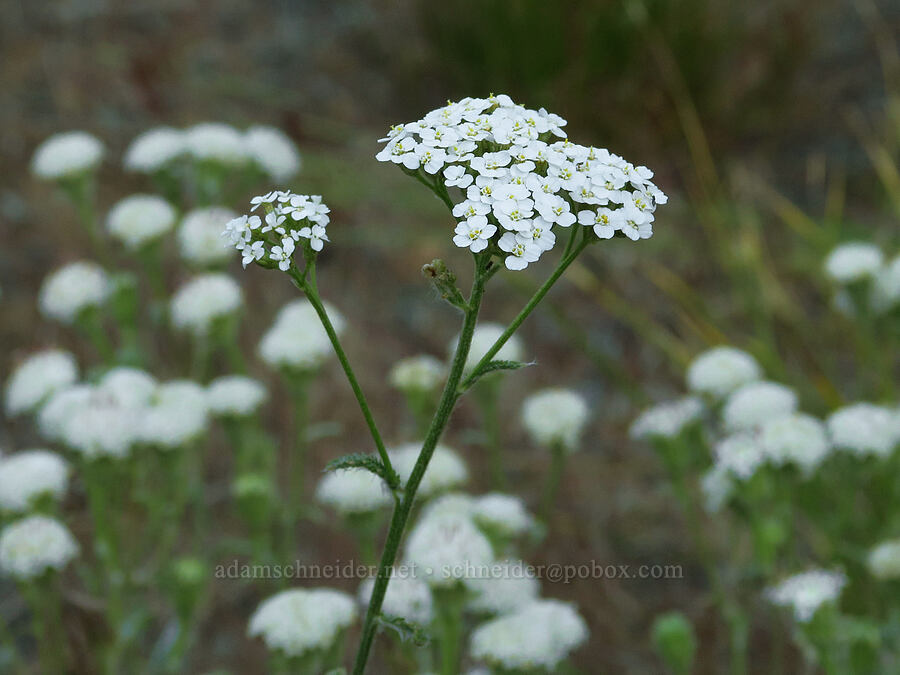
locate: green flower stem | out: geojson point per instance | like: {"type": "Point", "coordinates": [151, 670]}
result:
{"type": "Point", "coordinates": [81, 192]}
{"type": "Point", "coordinates": [449, 603]}
{"type": "Point", "coordinates": [92, 321]}
{"type": "Point", "coordinates": [307, 283]}
{"type": "Point", "coordinates": [449, 397]}
{"type": "Point", "coordinates": [46, 615]}
{"type": "Point", "coordinates": [554, 478]}
{"type": "Point", "coordinates": [200, 357]}
{"type": "Point", "coordinates": [520, 318]}
{"type": "Point", "coordinates": [298, 384]}
{"type": "Point", "coordinates": [488, 395]}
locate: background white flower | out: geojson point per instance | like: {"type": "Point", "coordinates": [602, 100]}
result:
{"type": "Point", "coordinates": [67, 154]}
{"type": "Point", "coordinates": [72, 289]}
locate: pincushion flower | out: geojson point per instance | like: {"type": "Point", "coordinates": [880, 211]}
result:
{"type": "Point", "coordinates": [72, 289]}
{"type": "Point", "coordinates": [511, 165]}
{"type": "Point", "coordinates": [37, 377]}
{"type": "Point", "coordinates": [140, 219]}
{"type": "Point", "coordinates": [66, 155]}
{"type": "Point", "coordinates": [31, 546]}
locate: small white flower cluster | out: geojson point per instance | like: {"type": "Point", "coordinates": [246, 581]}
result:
{"type": "Point", "coordinates": [235, 396]}
{"type": "Point", "coordinates": [862, 264]}
{"type": "Point", "coordinates": [29, 475]}
{"type": "Point", "coordinates": [72, 289]}
{"type": "Point", "coordinates": [555, 417]}
{"type": "Point", "coordinates": [417, 374]}
{"type": "Point", "coordinates": [353, 491]}
{"type": "Point", "coordinates": [446, 470]}
{"type": "Point", "coordinates": [519, 178]}
{"type": "Point", "coordinates": [37, 377]}
{"type": "Point", "coordinates": [67, 155]}
{"type": "Point", "coordinates": [203, 300]}
{"type": "Point", "coordinates": [266, 147]}
{"type": "Point", "coordinates": [537, 636]}
{"type": "Point", "coordinates": [444, 546]}
{"type": "Point", "coordinates": [140, 220]}
{"type": "Point", "coordinates": [719, 371]}
{"type": "Point", "coordinates": [298, 621]}
{"type": "Point", "coordinates": [508, 586]}
{"type": "Point", "coordinates": [33, 545]}
{"type": "Point", "coordinates": [755, 403]}
{"type": "Point", "coordinates": [884, 560]}
{"type": "Point", "coordinates": [297, 340]}
{"type": "Point", "coordinates": [865, 429]}
{"type": "Point", "coordinates": [199, 236]}
{"type": "Point", "coordinates": [853, 261]}
{"type": "Point", "coordinates": [667, 420]}
{"type": "Point", "coordinates": [506, 514]}
{"type": "Point", "coordinates": [484, 337]}
{"type": "Point", "coordinates": [271, 240]}
{"type": "Point", "coordinates": [805, 593]}
{"type": "Point", "coordinates": [407, 597]}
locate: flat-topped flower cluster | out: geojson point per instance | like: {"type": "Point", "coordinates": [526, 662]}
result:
{"type": "Point", "coordinates": [288, 218]}
{"type": "Point", "coordinates": [519, 177]}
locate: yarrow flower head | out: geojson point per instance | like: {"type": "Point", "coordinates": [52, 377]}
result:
{"type": "Point", "coordinates": [67, 155]}
{"type": "Point", "coordinates": [757, 403]}
{"type": "Point", "coordinates": [273, 151]}
{"type": "Point", "coordinates": [484, 337]}
{"type": "Point", "coordinates": [407, 597]}
{"type": "Point", "coordinates": [797, 439]}
{"type": "Point", "coordinates": [28, 475]}
{"type": "Point", "coordinates": [297, 340]}
{"type": "Point", "coordinates": [72, 289]}
{"type": "Point", "coordinates": [886, 287]}
{"type": "Point", "coordinates": [32, 546]}
{"type": "Point", "coordinates": [555, 417]}
{"type": "Point", "coordinates": [740, 454]}
{"type": "Point", "coordinates": [884, 560]}
{"type": "Point", "coordinates": [287, 223]}
{"type": "Point", "coordinates": [352, 491]}
{"type": "Point", "coordinates": [444, 546]}
{"type": "Point", "coordinates": [417, 374]}
{"type": "Point", "coordinates": [139, 220]}
{"type": "Point", "coordinates": [204, 300]}
{"type": "Point", "coordinates": [853, 261]}
{"type": "Point", "coordinates": [805, 593]}
{"type": "Point", "coordinates": [176, 414]}
{"type": "Point", "coordinates": [216, 142]}
{"type": "Point", "coordinates": [235, 396]}
{"type": "Point", "coordinates": [502, 513]}
{"type": "Point", "coordinates": [199, 236]}
{"type": "Point", "coordinates": [155, 149]}
{"type": "Point", "coordinates": [37, 377]}
{"type": "Point", "coordinates": [667, 420]}
{"type": "Point", "coordinates": [515, 177]}
{"type": "Point", "coordinates": [445, 471]}
{"type": "Point", "coordinates": [720, 370]}
{"type": "Point", "coordinates": [537, 636]}
{"type": "Point", "coordinates": [865, 429]}
{"type": "Point", "coordinates": [299, 621]}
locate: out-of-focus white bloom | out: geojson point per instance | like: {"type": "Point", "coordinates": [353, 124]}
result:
{"type": "Point", "coordinates": [102, 427]}
{"type": "Point", "coordinates": [512, 178]}
{"type": "Point", "coordinates": [446, 469]}
{"type": "Point", "coordinates": [805, 593]}
{"type": "Point", "coordinates": [555, 417]}
{"type": "Point", "coordinates": [886, 287]}
{"type": "Point", "coordinates": [884, 560]}
{"type": "Point", "coordinates": [301, 620]}
{"type": "Point", "coordinates": [60, 407]}
{"type": "Point", "coordinates": [34, 545]}
{"type": "Point", "coordinates": [417, 374]}
{"type": "Point", "coordinates": [235, 395]}
{"type": "Point", "coordinates": [756, 403]}
{"type": "Point", "coordinates": [667, 420]}
{"type": "Point", "coordinates": [203, 300]}
{"type": "Point", "coordinates": [537, 636]}
{"type": "Point", "coordinates": [503, 588]}
{"type": "Point", "coordinates": [720, 370]}
{"type": "Point", "coordinates": [37, 377]}
{"type": "Point", "coordinates": [865, 429]}
{"type": "Point", "coordinates": [502, 513]}
{"type": "Point", "coordinates": [140, 219]}
{"type": "Point", "coordinates": [350, 491]}
{"type": "Point", "coordinates": [275, 153]}
{"type": "Point", "coordinates": [407, 597]}
{"type": "Point", "coordinates": [456, 503]}
{"type": "Point", "coordinates": [67, 154]}
{"type": "Point", "coordinates": [297, 339]}
{"type": "Point", "coordinates": [129, 387]}
{"type": "Point", "coordinates": [177, 415]}
{"type": "Point", "coordinates": [154, 149]}
{"type": "Point", "coordinates": [200, 236]}
{"type": "Point", "coordinates": [70, 290]}
{"type": "Point", "coordinates": [216, 142]}
{"type": "Point", "coordinates": [795, 439]}
{"type": "Point", "coordinates": [741, 454]}
{"type": "Point", "coordinates": [30, 474]}
{"type": "Point", "coordinates": [853, 261]}
{"type": "Point", "coordinates": [483, 339]}
{"type": "Point", "coordinates": [446, 548]}
{"type": "Point", "coordinates": [716, 485]}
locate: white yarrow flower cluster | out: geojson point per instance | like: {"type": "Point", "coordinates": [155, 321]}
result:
{"type": "Point", "coordinates": [555, 417]}
{"type": "Point", "coordinates": [884, 560]}
{"type": "Point", "coordinates": [287, 220]}
{"type": "Point", "coordinates": [853, 261]}
{"type": "Point", "coordinates": [301, 620]}
{"type": "Point", "coordinates": [407, 597]}
{"type": "Point", "coordinates": [446, 470]}
{"type": "Point", "coordinates": [37, 377]}
{"type": "Point", "coordinates": [140, 219]}
{"type": "Point", "coordinates": [176, 415]}
{"type": "Point", "coordinates": [353, 491]}
{"type": "Point", "coordinates": [798, 439]}
{"type": "Point", "coordinates": [515, 178]}
{"type": "Point", "coordinates": [32, 546]}
{"type": "Point", "coordinates": [417, 374]}
{"type": "Point", "coordinates": [155, 149]}
{"type": "Point", "coordinates": [216, 142]}
{"type": "Point", "coordinates": [667, 420]}
{"type": "Point", "coordinates": [66, 155]}
{"type": "Point", "coordinates": [200, 236]}
{"type": "Point", "coordinates": [235, 396]}
{"type": "Point", "coordinates": [204, 300]}
{"type": "Point", "coordinates": [720, 370]}
{"type": "Point", "coordinates": [506, 587]}
{"type": "Point", "coordinates": [297, 340]}
{"type": "Point", "coordinates": [273, 151]}
{"type": "Point", "coordinates": [756, 403]}
{"type": "Point", "coordinates": [445, 547]}
{"type": "Point", "coordinates": [72, 289]}
{"type": "Point", "coordinates": [805, 593]}
{"type": "Point", "coordinates": [740, 454]}
{"type": "Point", "coordinates": [506, 514]}
{"type": "Point", "coordinates": [28, 475]}
{"type": "Point", "coordinates": [537, 636]}
{"type": "Point", "coordinates": [886, 287]}
{"type": "Point", "coordinates": [484, 337]}
{"type": "Point", "coordinates": [865, 429]}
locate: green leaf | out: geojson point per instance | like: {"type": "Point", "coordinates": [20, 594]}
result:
{"type": "Point", "coordinates": [494, 366]}
{"type": "Point", "coordinates": [406, 630]}
{"type": "Point", "coordinates": [359, 460]}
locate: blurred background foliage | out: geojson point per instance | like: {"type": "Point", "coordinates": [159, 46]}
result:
{"type": "Point", "coordinates": [774, 125]}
